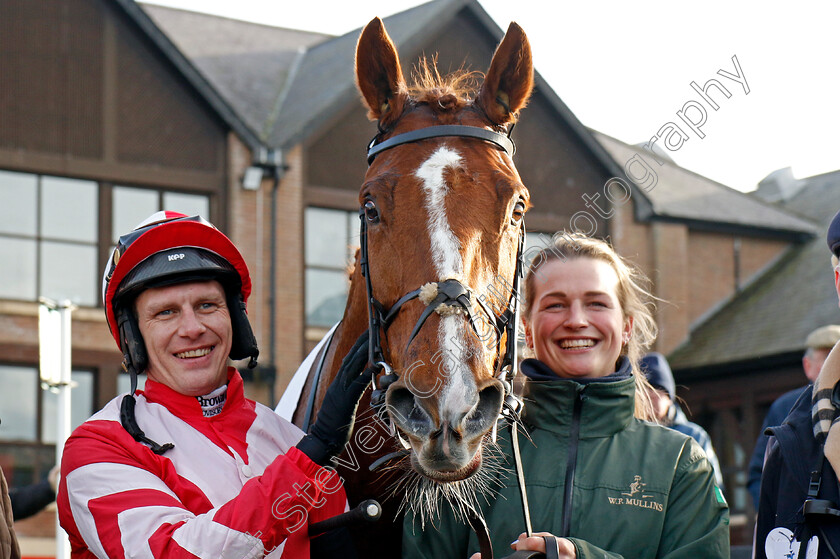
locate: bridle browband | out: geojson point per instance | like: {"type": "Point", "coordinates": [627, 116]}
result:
{"type": "Point", "coordinates": [502, 141]}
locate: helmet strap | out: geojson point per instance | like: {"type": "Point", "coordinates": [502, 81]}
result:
{"type": "Point", "coordinates": [244, 342]}
{"type": "Point", "coordinates": [133, 375]}
{"type": "Point", "coordinates": [134, 357]}
{"type": "Point", "coordinates": [129, 423]}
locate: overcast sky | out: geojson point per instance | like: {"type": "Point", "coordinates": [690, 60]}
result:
{"type": "Point", "coordinates": [626, 69]}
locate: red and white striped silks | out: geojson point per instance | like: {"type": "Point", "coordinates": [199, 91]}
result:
{"type": "Point", "coordinates": [233, 486]}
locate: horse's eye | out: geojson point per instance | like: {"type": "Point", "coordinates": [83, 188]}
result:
{"type": "Point", "coordinates": [518, 213]}
{"type": "Point", "coordinates": [371, 213]}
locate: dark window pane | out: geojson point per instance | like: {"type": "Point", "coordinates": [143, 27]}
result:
{"type": "Point", "coordinates": [17, 276]}
{"type": "Point", "coordinates": [18, 403]}
{"type": "Point", "coordinates": [69, 272]}
{"type": "Point", "coordinates": [25, 463]}
{"type": "Point", "coordinates": [326, 297]}
{"type": "Point", "coordinates": [18, 198]}
{"type": "Point", "coordinates": [69, 209]}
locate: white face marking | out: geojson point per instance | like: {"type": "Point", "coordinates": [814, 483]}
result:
{"type": "Point", "coordinates": [459, 387]}
{"type": "Point", "coordinates": [446, 249]}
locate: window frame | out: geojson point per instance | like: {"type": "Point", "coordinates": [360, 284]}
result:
{"type": "Point", "coordinates": [351, 234]}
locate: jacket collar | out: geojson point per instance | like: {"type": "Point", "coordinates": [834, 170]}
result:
{"type": "Point", "coordinates": [188, 406]}
{"type": "Point", "coordinates": [608, 402]}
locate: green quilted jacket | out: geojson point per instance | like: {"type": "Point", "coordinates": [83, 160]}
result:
{"type": "Point", "coordinates": [639, 490]}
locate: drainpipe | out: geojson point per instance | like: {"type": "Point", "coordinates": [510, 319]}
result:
{"type": "Point", "coordinates": [278, 169]}
{"type": "Point", "coordinates": [271, 163]}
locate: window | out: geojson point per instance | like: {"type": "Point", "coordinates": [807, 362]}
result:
{"type": "Point", "coordinates": [49, 229]}
{"type": "Point", "coordinates": [29, 421]}
{"type": "Point", "coordinates": [54, 232]}
{"type": "Point", "coordinates": [28, 410]}
{"type": "Point", "coordinates": [535, 241]}
{"type": "Point", "coordinates": [331, 240]}
{"type": "Point", "coordinates": [124, 383]}
{"type": "Point", "coordinates": [132, 205]}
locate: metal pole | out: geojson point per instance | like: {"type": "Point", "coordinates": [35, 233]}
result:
{"type": "Point", "coordinates": [65, 310]}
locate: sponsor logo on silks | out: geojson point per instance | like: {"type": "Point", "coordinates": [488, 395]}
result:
{"type": "Point", "coordinates": [780, 544]}
{"type": "Point", "coordinates": [635, 497]}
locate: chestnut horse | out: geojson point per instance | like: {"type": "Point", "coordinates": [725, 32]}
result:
{"type": "Point", "coordinates": [441, 210]}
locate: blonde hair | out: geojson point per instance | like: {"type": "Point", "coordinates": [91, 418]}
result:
{"type": "Point", "coordinates": [633, 295]}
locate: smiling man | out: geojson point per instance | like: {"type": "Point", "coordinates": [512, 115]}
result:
{"type": "Point", "coordinates": [189, 467]}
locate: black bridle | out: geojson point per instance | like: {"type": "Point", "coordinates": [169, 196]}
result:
{"type": "Point", "coordinates": [502, 141]}
{"type": "Point", "coordinates": [450, 291]}
{"type": "Point", "coordinates": [453, 293]}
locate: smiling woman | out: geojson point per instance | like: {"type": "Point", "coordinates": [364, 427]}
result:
{"type": "Point", "coordinates": [605, 483]}
{"type": "Point", "coordinates": [576, 324]}
{"type": "Point", "coordinates": [586, 307]}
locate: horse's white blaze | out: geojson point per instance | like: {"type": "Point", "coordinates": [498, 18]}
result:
{"type": "Point", "coordinates": [459, 386]}
{"type": "Point", "coordinates": [446, 249]}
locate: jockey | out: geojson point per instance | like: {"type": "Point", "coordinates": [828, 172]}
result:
{"type": "Point", "coordinates": [189, 466]}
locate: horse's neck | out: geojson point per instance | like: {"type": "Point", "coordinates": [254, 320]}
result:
{"type": "Point", "coordinates": [355, 322]}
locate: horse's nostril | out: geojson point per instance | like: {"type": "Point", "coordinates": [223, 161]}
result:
{"type": "Point", "coordinates": [487, 410]}
{"type": "Point", "coordinates": [407, 413]}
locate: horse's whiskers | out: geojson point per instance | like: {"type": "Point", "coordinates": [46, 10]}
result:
{"type": "Point", "coordinates": [424, 497]}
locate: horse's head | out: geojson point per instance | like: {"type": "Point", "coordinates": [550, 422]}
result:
{"type": "Point", "coordinates": [445, 214]}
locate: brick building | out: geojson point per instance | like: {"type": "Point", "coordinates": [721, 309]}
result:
{"type": "Point", "coordinates": [110, 110]}
{"type": "Point", "coordinates": [748, 352]}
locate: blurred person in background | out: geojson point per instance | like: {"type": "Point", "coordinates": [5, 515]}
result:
{"type": "Point", "coordinates": [799, 497]}
{"type": "Point", "coordinates": [668, 412]}
{"type": "Point", "coordinates": [818, 344]}
{"type": "Point", "coordinates": [29, 500]}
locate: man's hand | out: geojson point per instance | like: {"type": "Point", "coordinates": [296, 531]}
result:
{"type": "Point", "coordinates": [565, 549]}
{"type": "Point", "coordinates": [332, 429]}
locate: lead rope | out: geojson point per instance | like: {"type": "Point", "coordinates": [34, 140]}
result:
{"type": "Point", "coordinates": [520, 477]}
{"type": "Point", "coordinates": [511, 361]}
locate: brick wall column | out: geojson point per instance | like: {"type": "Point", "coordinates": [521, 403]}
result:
{"type": "Point", "coordinates": [289, 304]}
{"type": "Point", "coordinates": [670, 273]}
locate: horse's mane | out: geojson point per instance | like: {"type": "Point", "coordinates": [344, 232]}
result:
{"type": "Point", "coordinates": [428, 86]}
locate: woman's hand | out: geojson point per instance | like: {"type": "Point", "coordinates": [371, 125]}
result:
{"type": "Point", "coordinates": [565, 549]}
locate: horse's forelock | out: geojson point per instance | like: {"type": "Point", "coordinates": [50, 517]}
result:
{"type": "Point", "coordinates": [429, 86]}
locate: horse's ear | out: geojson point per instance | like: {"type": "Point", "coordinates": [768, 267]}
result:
{"type": "Point", "coordinates": [510, 78]}
{"type": "Point", "coordinates": [378, 74]}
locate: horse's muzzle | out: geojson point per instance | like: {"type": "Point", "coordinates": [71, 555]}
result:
{"type": "Point", "coordinates": [446, 440]}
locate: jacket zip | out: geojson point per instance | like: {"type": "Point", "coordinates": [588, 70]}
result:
{"type": "Point", "coordinates": [571, 465]}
